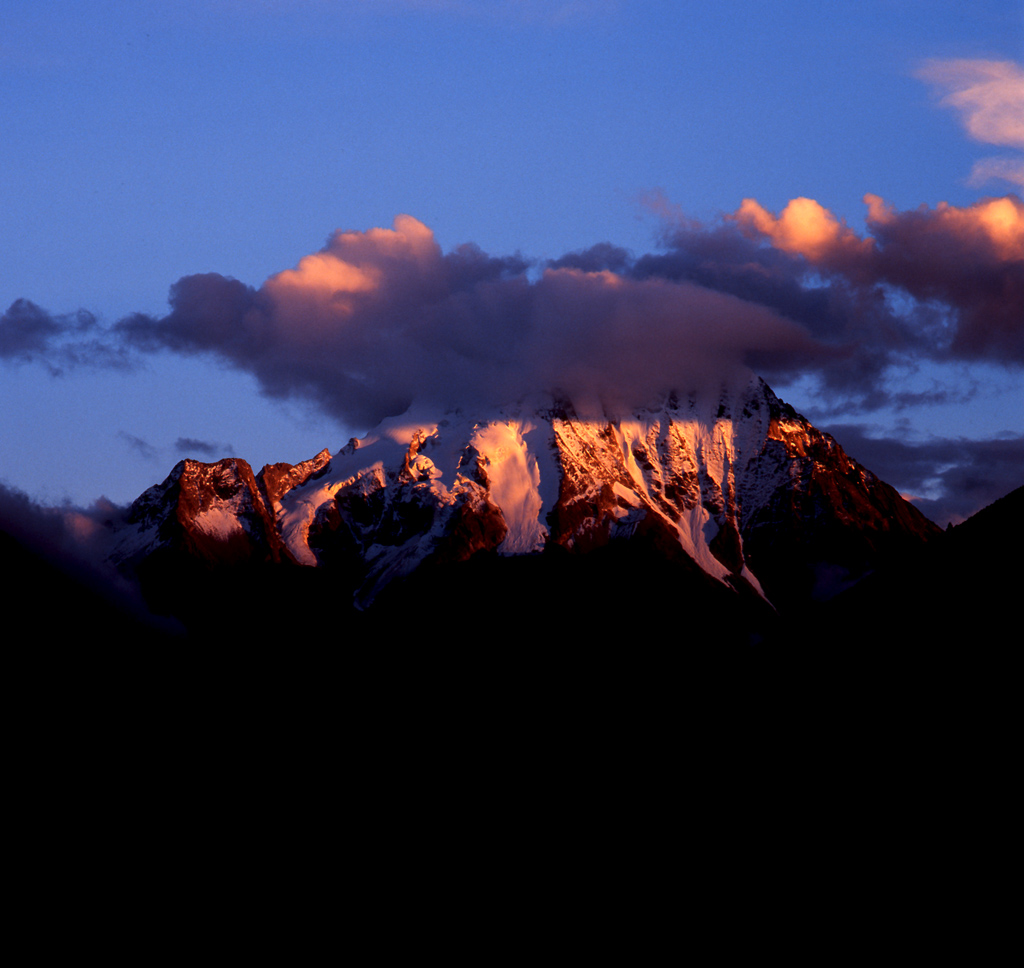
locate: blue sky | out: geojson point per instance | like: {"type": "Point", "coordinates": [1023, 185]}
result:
{"type": "Point", "coordinates": [150, 141]}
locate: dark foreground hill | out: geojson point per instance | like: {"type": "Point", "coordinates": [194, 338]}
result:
{"type": "Point", "coordinates": [958, 595]}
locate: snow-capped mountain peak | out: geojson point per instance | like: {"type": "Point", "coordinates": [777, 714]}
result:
{"type": "Point", "coordinates": [739, 483]}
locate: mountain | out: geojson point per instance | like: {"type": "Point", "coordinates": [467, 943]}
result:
{"type": "Point", "coordinates": [960, 590]}
{"type": "Point", "coordinates": [713, 510]}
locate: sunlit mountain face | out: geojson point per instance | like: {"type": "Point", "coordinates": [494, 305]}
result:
{"type": "Point", "coordinates": [729, 508]}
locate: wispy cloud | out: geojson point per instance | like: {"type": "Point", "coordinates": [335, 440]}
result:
{"type": "Point", "coordinates": [989, 96]}
{"type": "Point", "coordinates": [209, 449]}
{"type": "Point", "coordinates": [987, 170]}
{"type": "Point", "coordinates": [141, 447]}
{"type": "Point", "coordinates": [62, 342]}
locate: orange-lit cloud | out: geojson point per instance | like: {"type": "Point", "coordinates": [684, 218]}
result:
{"type": "Point", "coordinates": [356, 261]}
{"type": "Point", "coordinates": [943, 283]}
{"type": "Point", "coordinates": [348, 273]}
{"type": "Point", "coordinates": [993, 224]}
{"type": "Point", "coordinates": [804, 227]}
{"type": "Point", "coordinates": [324, 272]}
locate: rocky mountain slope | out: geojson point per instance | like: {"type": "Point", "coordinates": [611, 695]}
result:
{"type": "Point", "coordinates": [738, 490]}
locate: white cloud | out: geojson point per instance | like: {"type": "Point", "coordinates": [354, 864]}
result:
{"type": "Point", "coordinates": [989, 96]}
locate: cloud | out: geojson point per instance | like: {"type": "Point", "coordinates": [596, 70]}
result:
{"type": "Point", "coordinates": [58, 555]}
{"type": "Point", "coordinates": [70, 536]}
{"type": "Point", "coordinates": [804, 227]}
{"type": "Point", "coordinates": [968, 260]}
{"type": "Point", "coordinates": [29, 334]}
{"type": "Point", "coordinates": [142, 447]}
{"type": "Point", "coordinates": [992, 169]}
{"type": "Point", "coordinates": [376, 319]}
{"type": "Point", "coordinates": [379, 318]}
{"type": "Point", "coordinates": [27, 331]}
{"type": "Point", "coordinates": [942, 283]}
{"type": "Point", "coordinates": [989, 96]}
{"type": "Point", "coordinates": [189, 446]}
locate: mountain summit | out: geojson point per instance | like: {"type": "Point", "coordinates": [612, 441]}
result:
{"type": "Point", "coordinates": [738, 491]}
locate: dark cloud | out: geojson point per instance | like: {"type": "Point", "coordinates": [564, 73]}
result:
{"type": "Point", "coordinates": [379, 318]}
{"type": "Point", "coordinates": [970, 261]}
{"type": "Point", "coordinates": [842, 350]}
{"type": "Point", "coordinates": [942, 284]}
{"type": "Point", "coordinates": [26, 331]}
{"type": "Point", "coordinates": [189, 447]}
{"type": "Point", "coordinates": [26, 520]}
{"type": "Point", "coordinates": [72, 537]}
{"type": "Point", "coordinates": [206, 311]}
{"type": "Point", "coordinates": [142, 447]}
{"type": "Point", "coordinates": [603, 257]}
{"type": "Point", "coordinates": [58, 577]}
{"type": "Point", "coordinates": [60, 342]}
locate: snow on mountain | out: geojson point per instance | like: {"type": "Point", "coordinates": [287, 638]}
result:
{"type": "Point", "coordinates": [739, 482]}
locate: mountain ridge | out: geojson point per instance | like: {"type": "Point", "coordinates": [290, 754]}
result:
{"type": "Point", "coordinates": [741, 485]}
